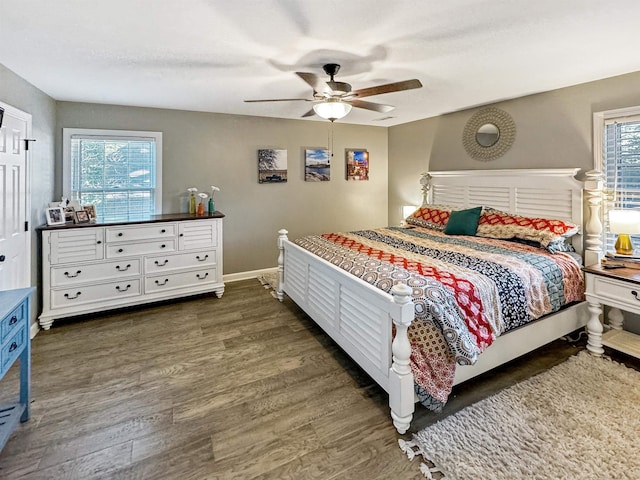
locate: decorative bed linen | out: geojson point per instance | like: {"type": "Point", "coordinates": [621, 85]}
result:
{"type": "Point", "coordinates": [466, 290]}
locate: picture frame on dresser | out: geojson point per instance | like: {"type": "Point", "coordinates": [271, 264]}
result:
{"type": "Point", "coordinates": [69, 214]}
{"type": "Point", "coordinates": [91, 211]}
{"type": "Point", "coordinates": [55, 216]}
{"type": "Point", "coordinates": [82, 216]}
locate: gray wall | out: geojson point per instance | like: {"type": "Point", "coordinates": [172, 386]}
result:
{"type": "Point", "coordinates": [202, 149]}
{"type": "Point", "coordinates": [553, 129]}
{"type": "Point", "coordinates": [20, 94]}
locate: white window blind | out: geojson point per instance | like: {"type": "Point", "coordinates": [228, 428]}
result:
{"type": "Point", "coordinates": [621, 167]}
{"type": "Point", "coordinates": [119, 172]}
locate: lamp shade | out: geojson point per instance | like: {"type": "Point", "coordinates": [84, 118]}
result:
{"type": "Point", "coordinates": [408, 210]}
{"type": "Point", "coordinates": [624, 221]}
{"type": "Point", "coordinates": [332, 109]}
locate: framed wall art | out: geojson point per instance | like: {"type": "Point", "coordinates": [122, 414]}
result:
{"type": "Point", "coordinates": [272, 165]}
{"type": "Point", "coordinates": [357, 164]}
{"type": "Point", "coordinates": [317, 165]}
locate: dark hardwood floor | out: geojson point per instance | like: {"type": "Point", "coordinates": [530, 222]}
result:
{"type": "Point", "coordinates": [240, 387]}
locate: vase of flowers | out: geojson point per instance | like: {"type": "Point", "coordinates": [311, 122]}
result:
{"type": "Point", "coordinates": [212, 205]}
{"type": "Point", "coordinates": [192, 200]}
{"type": "Point", "coordinates": [203, 198]}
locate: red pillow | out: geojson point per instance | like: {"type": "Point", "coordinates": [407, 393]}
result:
{"type": "Point", "coordinates": [431, 216]}
{"type": "Point", "coordinates": [497, 224]}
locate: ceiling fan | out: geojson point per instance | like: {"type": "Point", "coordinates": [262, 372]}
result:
{"type": "Point", "coordinates": [333, 100]}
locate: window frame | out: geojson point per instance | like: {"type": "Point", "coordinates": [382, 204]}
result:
{"type": "Point", "coordinates": [600, 120]}
{"type": "Point", "coordinates": [68, 133]}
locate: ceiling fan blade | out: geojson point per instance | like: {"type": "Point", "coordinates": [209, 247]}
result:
{"type": "Point", "coordinates": [388, 88]}
{"type": "Point", "coordinates": [281, 100]}
{"type": "Point", "coordinates": [315, 82]}
{"type": "Point", "coordinates": [310, 113]}
{"type": "Point", "coordinates": [376, 107]}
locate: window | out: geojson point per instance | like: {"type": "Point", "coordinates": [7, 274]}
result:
{"type": "Point", "coordinates": [120, 172]}
{"type": "Point", "coordinates": [617, 156]}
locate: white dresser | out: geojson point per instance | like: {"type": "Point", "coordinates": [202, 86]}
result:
{"type": "Point", "coordinates": [91, 268]}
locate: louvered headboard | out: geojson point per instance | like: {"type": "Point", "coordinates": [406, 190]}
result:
{"type": "Point", "coordinates": [548, 193]}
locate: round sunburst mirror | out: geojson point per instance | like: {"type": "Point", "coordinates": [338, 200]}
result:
{"type": "Point", "coordinates": [488, 134]}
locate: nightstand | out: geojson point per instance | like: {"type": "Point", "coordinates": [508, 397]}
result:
{"type": "Point", "coordinates": [619, 289]}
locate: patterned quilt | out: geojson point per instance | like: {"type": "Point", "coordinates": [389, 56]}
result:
{"type": "Point", "coordinates": [466, 290]}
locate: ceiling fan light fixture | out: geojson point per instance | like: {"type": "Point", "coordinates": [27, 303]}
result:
{"type": "Point", "coordinates": [332, 109]}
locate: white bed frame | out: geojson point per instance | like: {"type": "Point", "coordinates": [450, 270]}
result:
{"type": "Point", "coordinates": [358, 316]}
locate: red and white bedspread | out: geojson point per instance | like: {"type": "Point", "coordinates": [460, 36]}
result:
{"type": "Point", "coordinates": [466, 290]}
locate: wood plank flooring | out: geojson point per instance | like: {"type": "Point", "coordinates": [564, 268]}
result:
{"type": "Point", "coordinates": [241, 387]}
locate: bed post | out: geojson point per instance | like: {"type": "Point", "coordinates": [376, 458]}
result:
{"type": "Point", "coordinates": [282, 237]}
{"type": "Point", "coordinates": [593, 227]}
{"type": "Point", "coordinates": [425, 181]}
{"type": "Point", "coordinates": [401, 394]}
{"type": "Point", "coordinates": [592, 255]}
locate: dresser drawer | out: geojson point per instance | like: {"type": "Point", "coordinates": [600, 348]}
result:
{"type": "Point", "coordinates": [95, 293]}
{"type": "Point", "coordinates": [180, 280]}
{"type": "Point", "coordinates": [163, 263]}
{"type": "Point", "coordinates": [12, 348]}
{"type": "Point", "coordinates": [12, 321]}
{"type": "Point", "coordinates": [140, 232]}
{"type": "Point", "coordinates": [142, 248]}
{"type": "Point", "coordinates": [73, 275]}
{"type": "Point", "coordinates": [617, 291]}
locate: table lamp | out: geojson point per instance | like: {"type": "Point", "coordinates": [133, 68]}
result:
{"type": "Point", "coordinates": [624, 223]}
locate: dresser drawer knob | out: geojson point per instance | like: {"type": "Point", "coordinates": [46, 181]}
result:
{"type": "Point", "coordinates": [120, 269]}
{"type": "Point", "coordinates": [120, 234]}
{"type": "Point", "coordinates": [162, 246]}
{"type": "Point", "coordinates": [72, 275]}
{"type": "Point", "coordinates": [120, 250]}
{"type": "Point", "coordinates": [13, 346]}
{"type": "Point", "coordinates": [203, 276]}
{"type": "Point", "coordinates": [201, 259]}
{"type": "Point", "coordinates": [635, 294]}
{"type": "Point", "coordinates": [13, 320]}
{"type": "Point", "coordinates": [123, 289]}
{"type": "Point", "coordinates": [166, 260]}
{"type": "Point", "coordinates": [69, 297]}
{"type": "Point", "coordinates": [163, 283]}
{"type": "Point", "coordinates": [99, 242]}
{"type": "Point", "coordinates": [163, 231]}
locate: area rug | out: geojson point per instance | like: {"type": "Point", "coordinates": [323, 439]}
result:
{"type": "Point", "coordinates": [269, 280]}
{"type": "Point", "coordinates": [578, 420]}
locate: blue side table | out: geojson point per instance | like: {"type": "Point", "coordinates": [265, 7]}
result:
{"type": "Point", "coordinates": [15, 343]}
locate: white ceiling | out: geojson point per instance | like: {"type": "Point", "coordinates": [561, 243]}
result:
{"type": "Point", "coordinates": [210, 55]}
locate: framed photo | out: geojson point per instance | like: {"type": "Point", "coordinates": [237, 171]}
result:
{"type": "Point", "coordinates": [82, 216]}
{"type": "Point", "coordinates": [357, 164]}
{"type": "Point", "coordinates": [55, 216]}
{"type": "Point", "coordinates": [317, 166]}
{"type": "Point", "coordinates": [91, 211]}
{"type": "Point", "coordinates": [272, 166]}
{"type": "Point", "coordinates": [69, 214]}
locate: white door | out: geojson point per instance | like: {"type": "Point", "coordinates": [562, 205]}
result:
{"type": "Point", "coordinates": [15, 246]}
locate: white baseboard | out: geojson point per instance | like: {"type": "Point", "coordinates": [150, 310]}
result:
{"type": "Point", "coordinates": [236, 277]}
{"type": "Point", "coordinates": [34, 329]}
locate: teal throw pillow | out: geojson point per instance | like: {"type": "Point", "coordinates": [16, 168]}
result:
{"type": "Point", "coordinates": [463, 222]}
